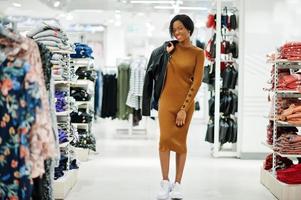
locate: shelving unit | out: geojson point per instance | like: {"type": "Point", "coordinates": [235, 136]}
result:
{"type": "Point", "coordinates": [63, 185]}
{"type": "Point", "coordinates": [229, 149]}
{"type": "Point", "coordinates": [88, 64]}
{"type": "Point", "coordinates": [281, 190]}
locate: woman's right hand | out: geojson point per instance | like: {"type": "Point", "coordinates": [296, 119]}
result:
{"type": "Point", "coordinates": [170, 47]}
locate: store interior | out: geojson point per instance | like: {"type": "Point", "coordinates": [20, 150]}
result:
{"type": "Point", "coordinates": [91, 141]}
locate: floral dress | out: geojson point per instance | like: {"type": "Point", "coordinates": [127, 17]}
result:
{"type": "Point", "coordinates": [19, 98]}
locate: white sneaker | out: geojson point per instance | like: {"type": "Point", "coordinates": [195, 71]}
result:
{"type": "Point", "coordinates": [176, 192]}
{"type": "Point", "coordinates": [165, 188]}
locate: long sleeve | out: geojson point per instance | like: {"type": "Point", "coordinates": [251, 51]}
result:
{"type": "Point", "coordinates": [197, 81]}
{"type": "Point", "coordinates": [148, 86]}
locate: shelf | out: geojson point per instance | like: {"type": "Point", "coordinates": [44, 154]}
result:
{"type": "Point", "coordinates": [267, 145]}
{"type": "Point", "coordinates": [64, 145]}
{"type": "Point", "coordinates": [281, 190]}
{"type": "Point", "coordinates": [65, 113]}
{"type": "Point", "coordinates": [61, 82]}
{"type": "Point", "coordinates": [63, 185]}
{"type": "Point", "coordinates": [85, 125]}
{"type": "Point", "coordinates": [82, 83]}
{"type": "Point", "coordinates": [284, 61]}
{"type": "Point", "coordinates": [62, 51]}
{"type": "Point", "coordinates": [282, 155]}
{"type": "Point", "coordinates": [286, 124]}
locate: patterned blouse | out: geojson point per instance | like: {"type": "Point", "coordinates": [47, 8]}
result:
{"type": "Point", "coordinates": [23, 129]}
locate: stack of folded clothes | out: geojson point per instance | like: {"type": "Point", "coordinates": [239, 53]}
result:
{"type": "Point", "coordinates": [84, 74]}
{"type": "Point", "coordinates": [80, 117]}
{"type": "Point", "coordinates": [82, 51]}
{"type": "Point", "coordinates": [80, 94]}
{"type": "Point", "coordinates": [60, 66]}
{"type": "Point", "coordinates": [61, 103]}
{"type": "Point", "coordinates": [63, 136]}
{"type": "Point", "coordinates": [291, 175]}
{"type": "Point", "coordinates": [86, 140]}
{"type": "Point", "coordinates": [291, 51]}
{"type": "Point", "coordinates": [282, 162]}
{"type": "Point", "coordinates": [280, 131]}
{"type": "Point", "coordinates": [59, 171]}
{"type": "Point", "coordinates": [289, 82]}
{"type": "Point", "coordinates": [288, 144]}
{"type": "Point", "coordinates": [51, 35]}
{"type": "Point", "coordinates": [292, 115]}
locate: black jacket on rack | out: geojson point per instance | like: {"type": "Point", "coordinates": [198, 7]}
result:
{"type": "Point", "coordinates": [155, 77]}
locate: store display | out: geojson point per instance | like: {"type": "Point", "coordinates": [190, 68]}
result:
{"type": "Point", "coordinates": [222, 82]}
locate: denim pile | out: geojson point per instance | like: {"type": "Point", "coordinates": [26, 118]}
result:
{"type": "Point", "coordinates": [61, 104]}
{"type": "Point", "coordinates": [86, 140]}
{"type": "Point", "coordinates": [63, 136]}
{"type": "Point", "coordinates": [51, 35]}
{"type": "Point", "coordinates": [82, 51]}
{"type": "Point", "coordinates": [59, 171]}
{"type": "Point", "coordinates": [84, 74]}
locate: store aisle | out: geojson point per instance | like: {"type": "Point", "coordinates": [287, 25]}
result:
{"type": "Point", "coordinates": [129, 169]}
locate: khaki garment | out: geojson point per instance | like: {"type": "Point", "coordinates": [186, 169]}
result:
{"type": "Point", "coordinates": [183, 79]}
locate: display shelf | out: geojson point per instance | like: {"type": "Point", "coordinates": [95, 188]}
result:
{"type": "Point", "coordinates": [286, 124]}
{"type": "Point", "coordinates": [280, 154]}
{"type": "Point", "coordinates": [267, 145]}
{"type": "Point", "coordinates": [63, 51]}
{"type": "Point", "coordinates": [61, 82]}
{"type": "Point", "coordinates": [284, 61]}
{"type": "Point", "coordinates": [81, 83]}
{"type": "Point", "coordinates": [63, 185]}
{"type": "Point", "coordinates": [65, 113]}
{"type": "Point", "coordinates": [64, 145]}
{"type": "Point", "coordinates": [280, 190]}
{"type": "Point", "coordinates": [81, 154]}
{"type": "Point", "coordinates": [83, 125]}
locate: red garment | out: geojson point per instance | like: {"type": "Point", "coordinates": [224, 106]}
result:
{"type": "Point", "coordinates": [291, 175]}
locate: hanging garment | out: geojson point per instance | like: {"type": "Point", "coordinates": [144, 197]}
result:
{"type": "Point", "coordinates": [19, 99]}
{"type": "Point", "coordinates": [123, 87]}
{"type": "Point", "coordinates": [134, 99]}
{"type": "Point", "coordinates": [109, 100]}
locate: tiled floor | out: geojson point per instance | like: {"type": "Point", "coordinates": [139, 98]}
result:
{"type": "Point", "coordinates": [128, 168]}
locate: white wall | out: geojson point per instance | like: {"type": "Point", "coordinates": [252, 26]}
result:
{"type": "Point", "coordinates": [268, 24]}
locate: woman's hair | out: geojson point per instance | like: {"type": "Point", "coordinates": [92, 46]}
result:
{"type": "Point", "coordinates": [186, 21]}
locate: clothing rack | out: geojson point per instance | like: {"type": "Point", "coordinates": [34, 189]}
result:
{"type": "Point", "coordinates": [228, 149]}
{"type": "Point", "coordinates": [130, 129]}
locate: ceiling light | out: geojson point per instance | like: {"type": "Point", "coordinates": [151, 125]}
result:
{"type": "Point", "coordinates": [157, 2]}
{"type": "Point", "coordinates": [181, 8]}
{"type": "Point", "coordinates": [18, 5]}
{"type": "Point", "coordinates": [56, 4]}
{"type": "Point", "coordinates": [124, 1]}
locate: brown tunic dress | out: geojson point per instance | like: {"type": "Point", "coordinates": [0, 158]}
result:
{"type": "Point", "coordinates": [183, 79]}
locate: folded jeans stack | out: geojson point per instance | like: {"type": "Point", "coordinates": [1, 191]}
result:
{"type": "Point", "coordinates": [288, 144]}
{"type": "Point", "coordinates": [82, 51]}
{"type": "Point", "coordinates": [63, 136]}
{"type": "Point", "coordinates": [291, 51]}
{"type": "Point", "coordinates": [61, 103]}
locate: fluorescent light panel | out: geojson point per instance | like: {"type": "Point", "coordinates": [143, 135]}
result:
{"type": "Point", "coordinates": [156, 2]}
{"type": "Point", "coordinates": [180, 7]}
{"type": "Point", "coordinates": [18, 5]}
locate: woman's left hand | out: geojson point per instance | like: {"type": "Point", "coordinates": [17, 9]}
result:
{"type": "Point", "coordinates": [181, 117]}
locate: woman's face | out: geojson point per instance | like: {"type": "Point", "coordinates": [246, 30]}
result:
{"type": "Point", "coordinates": [180, 32]}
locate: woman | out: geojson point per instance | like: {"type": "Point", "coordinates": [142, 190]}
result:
{"type": "Point", "coordinates": [177, 70]}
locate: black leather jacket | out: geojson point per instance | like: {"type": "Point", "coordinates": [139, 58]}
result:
{"type": "Point", "coordinates": [155, 77]}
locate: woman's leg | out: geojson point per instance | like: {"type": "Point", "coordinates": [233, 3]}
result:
{"type": "Point", "coordinates": [164, 159]}
{"type": "Point", "coordinates": [180, 164]}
